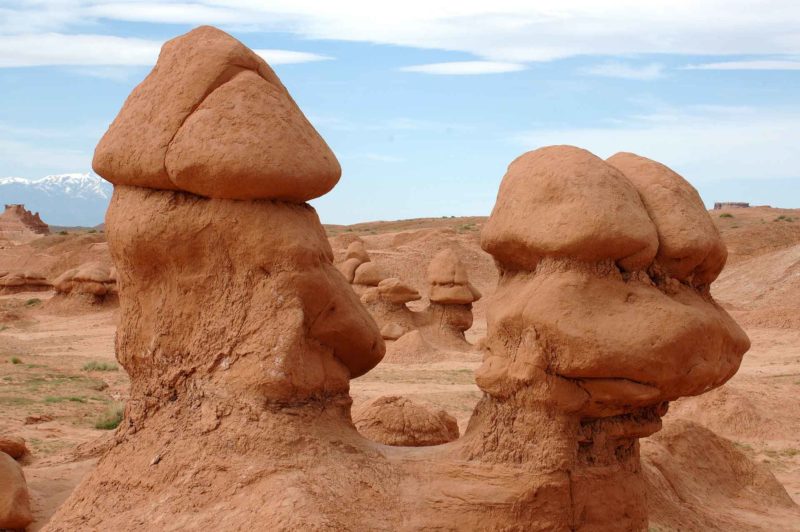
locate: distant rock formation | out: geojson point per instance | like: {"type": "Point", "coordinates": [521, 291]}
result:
{"type": "Point", "coordinates": [731, 205]}
{"type": "Point", "coordinates": [23, 281]}
{"type": "Point", "coordinates": [18, 224]}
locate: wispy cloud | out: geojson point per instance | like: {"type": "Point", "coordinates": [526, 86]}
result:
{"type": "Point", "coordinates": [756, 64]}
{"type": "Point", "coordinates": [626, 71]}
{"type": "Point", "coordinates": [62, 49]}
{"type": "Point", "coordinates": [500, 31]}
{"type": "Point", "coordinates": [704, 142]}
{"type": "Point", "coordinates": [465, 68]}
{"type": "Point", "coordinates": [287, 57]}
{"type": "Point", "coordinates": [108, 51]}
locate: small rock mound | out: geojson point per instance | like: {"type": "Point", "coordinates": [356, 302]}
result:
{"type": "Point", "coordinates": [412, 348]}
{"type": "Point", "coordinates": [398, 421]}
{"type": "Point", "coordinates": [24, 281]}
{"type": "Point", "coordinates": [91, 279]}
{"type": "Point", "coordinates": [697, 480]}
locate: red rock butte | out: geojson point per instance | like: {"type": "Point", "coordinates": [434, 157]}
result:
{"type": "Point", "coordinates": [18, 224]}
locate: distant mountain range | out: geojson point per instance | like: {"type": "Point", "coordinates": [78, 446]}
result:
{"type": "Point", "coordinates": [63, 200]}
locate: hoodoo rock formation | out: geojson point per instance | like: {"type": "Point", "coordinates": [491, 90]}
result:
{"type": "Point", "coordinates": [17, 224]}
{"type": "Point", "coordinates": [25, 281]}
{"type": "Point", "coordinates": [240, 337]}
{"type": "Point", "coordinates": [387, 304]}
{"type": "Point", "coordinates": [237, 332]}
{"type": "Point", "coordinates": [92, 281]}
{"type": "Point", "coordinates": [603, 303]}
{"type": "Point", "coordinates": [451, 296]}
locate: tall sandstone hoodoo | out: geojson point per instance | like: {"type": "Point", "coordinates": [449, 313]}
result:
{"type": "Point", "coordinates": [240, 336]}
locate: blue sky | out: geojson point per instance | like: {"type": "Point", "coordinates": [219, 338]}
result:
{"type": "Point", "coordinates": [426, 103]}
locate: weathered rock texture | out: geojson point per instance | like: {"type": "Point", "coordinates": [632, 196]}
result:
{"type": "Point", "coordinates": [240, 338]}
{"type": "Point", "coordinates": [396, 420]}
{"type": "Point", "coordinates": [18, 224]}
{"type": "Point", "coordinates": [25, 281]}
{"type": "Point", "coordinates": [15, 504]}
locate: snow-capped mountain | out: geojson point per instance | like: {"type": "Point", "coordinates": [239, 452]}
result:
{"type": "Point", "coordinates": [63, 199]}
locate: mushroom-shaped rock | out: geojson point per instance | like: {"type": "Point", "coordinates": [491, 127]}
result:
{"type": "Point", "coordinates": [584, 332]}
{"type": "Point", "coordinates": [212, 118]}
{"type": "Point", "coordinates": [234, 324]}
{"type": "Point", "coordinates": [448, 280]}
{"type": "Point", "coordinates": [396, 291]}
{"type": "Point", "coordinates": [15, 504]}
{"type": "Point", "coordinates": [690, 247]}
{"type": "Point", "coordinates": [368, 274]}
{"type": "Point", "coordinates": [563, 201]}
{"type": "Point", "coordinates": [396, 420]}
{"type": "Point", "coordinates": [13, 446]}
{"type": "Point", "coordinates": [92, 278]}
{"type": "Point", "coordinates": [24, 281]}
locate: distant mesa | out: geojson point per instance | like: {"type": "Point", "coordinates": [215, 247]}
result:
{"type": "Point", "coordinates": [18, 224]}
{"type": "Point", "coordinates": [731, 205]}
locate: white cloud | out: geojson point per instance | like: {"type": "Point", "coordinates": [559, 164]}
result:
{"type": "Point", "coordinates": [625, 71]}
{"type": "Point", "coordinates": [502, 30]}
{"type": "Point", "coordinates": [465, 68]}
{"type": "Point", "coordinates": [107, 51]}
{"type": "Point", "coordinates": [511, 31]}
{"type": "Point", "coordinates": [765, 64]}
{"type": "Point", "coordinates": [61, 49]}
{"type": "Point", "coordinates": [286, 57]}
{"type": "Point", "coordinates": [703, 143]}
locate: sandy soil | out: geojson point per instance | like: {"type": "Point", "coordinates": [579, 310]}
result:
{"type": "Point", "coordinates": [59, 378]}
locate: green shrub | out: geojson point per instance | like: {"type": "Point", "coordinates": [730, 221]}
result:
{"type": "Point", "coordinates": [32, 302]}
{"type": "Point", "coordinates": [111, 419]}
{"type": "Point", "coordinates": [16, 360]}
{"type": "Point", "coordinates": [99, 366]}
{"type": "Point", "coordinates": [62, 233]}
{"type": "Point", "coordinates": [92, 231]}
{"type": "Point", "coordinates": [73, 399]}
{"type": "Point", "coordinates": [726, 215]}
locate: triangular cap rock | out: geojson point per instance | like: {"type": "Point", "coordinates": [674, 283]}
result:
{"type": "Point", "coordinates": [212, 118]}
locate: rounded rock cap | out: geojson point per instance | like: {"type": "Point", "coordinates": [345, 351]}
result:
{"type": "Point", "coordinates": [563, 201]}
{"type": "Point", "coordinates": [448, 280]}
{"type": "Point", "coordinates": [213, 119]}
{"type": "Point", "coordinates": [690, 246]}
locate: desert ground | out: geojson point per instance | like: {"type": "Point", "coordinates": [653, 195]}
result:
{"type": "Point", "coordinates": [61, 387]}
